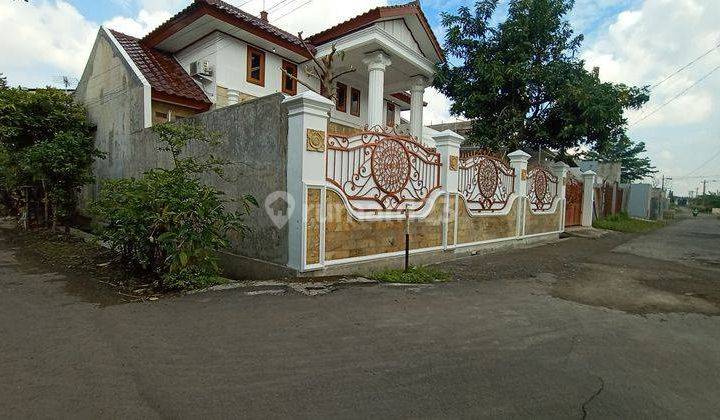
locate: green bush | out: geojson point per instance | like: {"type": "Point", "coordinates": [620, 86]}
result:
{"type": "Point", "coordinates": [413, 275]}
{"type": "Point", "coordinates": [46, 144]}
{"type": "Point", "coordinates": [622, 222]}
{"type": "Point", "coordinates": [169, 222]}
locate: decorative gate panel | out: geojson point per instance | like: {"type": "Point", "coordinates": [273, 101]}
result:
{"type": "Point", "coordinates": [382, 171]}
{"type": "Point", "coordinates": [574, 196]}
{"type": "Point", "coordinates": [542, 188]}
{"type": "Point", "coordinates": [486, 183]}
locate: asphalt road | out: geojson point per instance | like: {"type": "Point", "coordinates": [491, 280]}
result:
{"type": "Point", "coordinates": [512, 336]}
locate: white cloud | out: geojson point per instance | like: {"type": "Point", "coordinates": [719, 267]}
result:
{"type": "Point", "coordinates": [48, 40]}
{"type": "Point", "coordinates": [145, 22]}
{"type": "Point", "coordinates": [643, 46]}
{"type": "Point", "coordinates": [438, 108]}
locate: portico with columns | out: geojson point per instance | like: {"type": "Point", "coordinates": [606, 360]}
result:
{"type": "Point", "coordinates": [394, 62]}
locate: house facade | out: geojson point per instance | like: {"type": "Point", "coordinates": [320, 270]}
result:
{"type": "Point", "coordinates": [213, 54]}
{"type": "Point", "coordinates": [341, 182]}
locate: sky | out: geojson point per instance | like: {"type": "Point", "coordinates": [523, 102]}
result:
{"type": "Point", "coordinates": [637, 42]}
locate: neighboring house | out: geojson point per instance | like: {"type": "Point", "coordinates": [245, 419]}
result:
{"type": "Point", "coordinates": [212, 54]}
{"type": "Point", "coordinates": [645, 201]}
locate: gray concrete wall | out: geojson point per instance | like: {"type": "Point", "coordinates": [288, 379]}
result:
{"type": "Point", "coordinates": [638, 200]}
{"type": "Point", "coordinates": [114, 98]}
{"type": "Point", "coordinates": [605, 171]}
{"type": "Point", "coordinates": [253, 137]}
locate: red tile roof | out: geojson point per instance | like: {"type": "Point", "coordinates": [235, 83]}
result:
{"type": "Point", "coordinates": [164, 73]}
{"type": "Point", "coordinates": [255, 21]}
{"type": "Point", "coordinates": [230, 14]}
{"type": "Point", "coordinates": [371, 16]}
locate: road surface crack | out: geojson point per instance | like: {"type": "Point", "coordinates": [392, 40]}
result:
{"type": "Point", "coordinates": [584, 406]}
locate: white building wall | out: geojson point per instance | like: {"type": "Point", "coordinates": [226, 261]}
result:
{"type": "Point", "coordinates": [228, 56]}
{"type": "Point", "coordinates": [399, 31]}
{"type": "Point", "coordinates": [206, 49]}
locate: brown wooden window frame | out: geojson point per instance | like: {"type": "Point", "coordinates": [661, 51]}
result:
{"type": "Point", "coordinates": [341, 105]}
{"type": "Point", "coordinates": [390, 111]}
{"type": "Point", "coordinates": [261, 53]}
{"type": "Point", "coordinates": [355, 112]}
{"type": "Point", "coordinates": [286, 65]}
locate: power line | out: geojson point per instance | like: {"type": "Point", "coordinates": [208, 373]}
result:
{"type": "Point", "coordinates": [704, 163]}
{"type": "Point", "coordinates": [675, 97]}
{"type": "Point", "coordinates": [274, 6]}
{"type": "Point", "coordinates": [282, 16]}
{"type": "Point", "coordinates": [684, 67]}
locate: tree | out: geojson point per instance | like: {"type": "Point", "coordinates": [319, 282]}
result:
{"type": "Point", "coordinates": [521, 83]}
{"type": "Point", "coordinates": [168, 221]}
{"type": "Point", "coordinates": [3, 81]}
{"type": "Point", "coordinates": [626, 152]}
{"type": "Point", "coordinates": [46, 143]}
{"type": "Point", "coordinates": [323, 70]}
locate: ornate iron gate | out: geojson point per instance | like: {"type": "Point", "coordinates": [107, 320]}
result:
{"type": "Point", "coordinates": [542, 188]}
{"type": "Point", "coordinates": [486, 182]}
{"type": "Point", "coordinates": [574, 197]}
{"type": "Point", "coordinates": [382, 171]}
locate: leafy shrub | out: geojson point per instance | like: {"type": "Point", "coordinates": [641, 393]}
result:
{"type": "Point", "coordinates": [413, 275]}
{"type": "Point", "coordinates": [46, 143]}
{"type": "Point", "coordinates": [168, 221]}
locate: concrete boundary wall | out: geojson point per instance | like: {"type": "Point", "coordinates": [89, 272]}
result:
{"type": "Point", "coordinates": [356, 223]}
{"type": "Point", "coordinates": [254, 137]}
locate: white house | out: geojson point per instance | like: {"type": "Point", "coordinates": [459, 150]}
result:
{"type": "Point", "coordinates": [213, 54]}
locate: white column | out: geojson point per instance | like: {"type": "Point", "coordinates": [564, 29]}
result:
{"type": "Point", "coordinates": [588, 197]}
{"type": "Point", "coordinates": [560, 170]}
{"type": "Point", "coordinates": [377, 62]}
{"type": "Point", "coordinates": [448, 145]}
{"type": "Point", "coordinates": [519, 162]}
{"type": "Point", "coordinates": [308, 115]}
{"type": "Point", "coordinates": [417, 90]}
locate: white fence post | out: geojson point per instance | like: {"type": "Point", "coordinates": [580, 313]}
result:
{"type": "Point", "coordinates": [448, 145]}
{"type": "Point", "coordinates": [560, 170]}
{"type": "Point", "coordinates": [308, 115]}
{"type": "Point", "coordinates": [519, 162]}
{"type": "Point", "coordinates": [588, 198]}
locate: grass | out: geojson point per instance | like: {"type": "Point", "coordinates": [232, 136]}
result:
{"type": "Point", "coordinates": [415, 275]}
{"type": "Point", "coordinates": [621, 222]}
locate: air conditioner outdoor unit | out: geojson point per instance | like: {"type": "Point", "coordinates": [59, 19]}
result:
{"type": "Point", "coordinates": [201, 68]}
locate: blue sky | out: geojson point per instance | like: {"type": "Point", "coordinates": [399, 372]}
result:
{"type": "Point", "coordinates": [637, 42]}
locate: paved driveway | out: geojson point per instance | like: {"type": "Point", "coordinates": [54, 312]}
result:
{"type": "Point", "coordinates": [513, 336]}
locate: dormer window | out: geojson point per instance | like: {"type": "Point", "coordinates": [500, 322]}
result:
{"type": "Point", "coordinates": [289, 85]}
{"type": "Point", "coordinates": [255, 66]}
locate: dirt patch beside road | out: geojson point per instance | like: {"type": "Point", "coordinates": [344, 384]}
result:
{"type": "Point", "coordinates": [89, 271]}
{"type": "Point", "coordinates": [635, 273]}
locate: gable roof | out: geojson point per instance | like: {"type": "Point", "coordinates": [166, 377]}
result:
{"type": "Point", "coordinates": [226, 13]}
{"type": "Point", "coordinates": [169, 81]}
{"type": "Point", "coordinates": [371, 16]}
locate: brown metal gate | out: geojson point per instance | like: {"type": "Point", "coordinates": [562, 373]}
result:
{"type": "Point", "coordinates": [573, 210]}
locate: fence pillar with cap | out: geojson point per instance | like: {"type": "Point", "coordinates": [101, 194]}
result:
{"type": "Point", "coordinates": [447, 144]}
{"type": "Point", "coordinates": [519, 162]}
{"type": "Point", "coordinates": [588, 197]}
{"type": "Point", "coordinates": [308, 115]}
{"type": "Point", "coordinates": [560, 170]}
